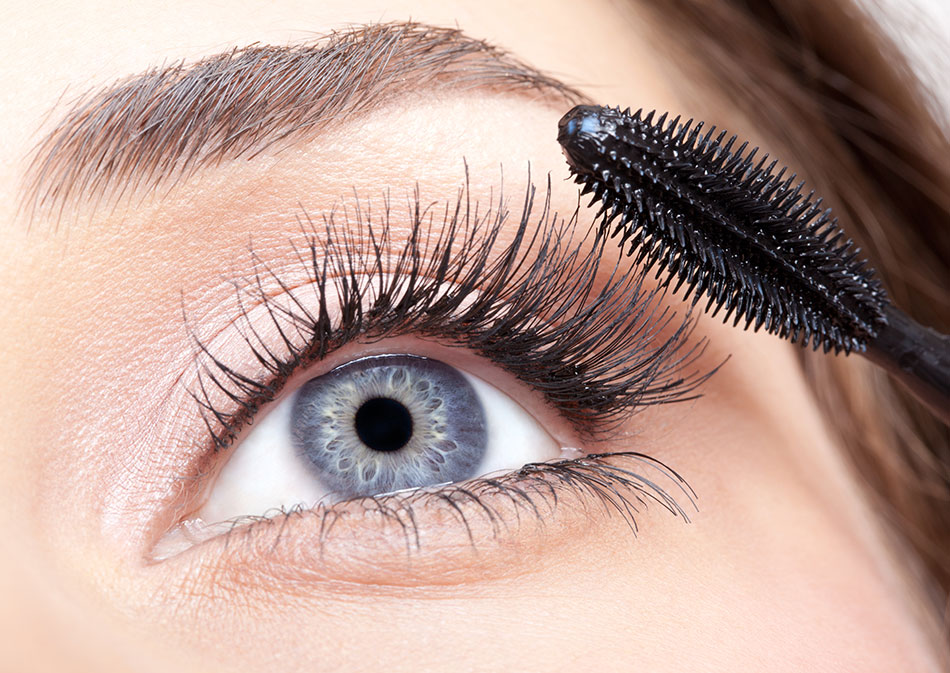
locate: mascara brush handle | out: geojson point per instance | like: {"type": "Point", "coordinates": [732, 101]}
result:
{"type": "Point", "coordinates": [917, 356]}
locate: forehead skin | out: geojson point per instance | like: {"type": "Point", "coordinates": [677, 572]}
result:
{"type": "Point", "coordinates": [782, 568]}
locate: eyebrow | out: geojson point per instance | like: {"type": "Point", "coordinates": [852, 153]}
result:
{"type": "Point", "coordinates": [159, 127]}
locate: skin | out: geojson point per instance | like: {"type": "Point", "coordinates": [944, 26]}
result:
{"type": "Point", "coordinates": [783, 566]}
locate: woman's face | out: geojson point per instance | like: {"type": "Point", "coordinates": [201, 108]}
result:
{"type": "Point", "coordinates": [165, 289]}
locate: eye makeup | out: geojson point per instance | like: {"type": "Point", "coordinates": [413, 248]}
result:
{"type": "Point", "coordinates": [596, 344]}
{"type": "Point", "coordinates": [538, 306]}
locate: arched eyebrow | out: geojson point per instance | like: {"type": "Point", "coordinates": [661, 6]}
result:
{"type": "Point", "coordinates": [159, 127]}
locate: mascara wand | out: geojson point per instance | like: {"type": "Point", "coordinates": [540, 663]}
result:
{"type": "Point", "coordinates": [726, 225]}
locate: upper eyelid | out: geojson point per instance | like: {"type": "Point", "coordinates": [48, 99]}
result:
{"type": "Point", "coordinates": [656, 374]}
{"type": "Point", "coordinates": [470, 363]}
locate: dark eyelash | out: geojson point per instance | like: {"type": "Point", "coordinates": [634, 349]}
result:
{"type": "Point", "coordinates": [606, 480]}
{"type": "Point", "coordinates": [595, 352]}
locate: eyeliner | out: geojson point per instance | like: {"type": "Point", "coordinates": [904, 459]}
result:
{"type": "Point", "coordinates": [725, 225]}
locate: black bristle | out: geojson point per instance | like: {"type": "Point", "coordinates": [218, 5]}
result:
{"type": "Point", "coordinates": [725, 224]}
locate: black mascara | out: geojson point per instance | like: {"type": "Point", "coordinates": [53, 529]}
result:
{"type": "Point", "coordinates": [725, 225]}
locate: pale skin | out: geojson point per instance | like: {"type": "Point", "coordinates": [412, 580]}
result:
{"type": "Point", "coordinates": [783, 566]}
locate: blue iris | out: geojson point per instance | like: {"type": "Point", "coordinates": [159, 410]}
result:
{"type": "Point", "coordinates": [389, 422]}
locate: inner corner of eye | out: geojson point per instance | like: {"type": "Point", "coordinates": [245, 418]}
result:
{"type": "Point", "coordinates": [373, 426]}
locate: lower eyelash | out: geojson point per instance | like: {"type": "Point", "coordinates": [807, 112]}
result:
{"type": "Point", "coordinates": [610, 481]}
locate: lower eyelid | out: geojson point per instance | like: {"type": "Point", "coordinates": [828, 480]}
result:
{"type": "Point", "coordinates": [386, 540]}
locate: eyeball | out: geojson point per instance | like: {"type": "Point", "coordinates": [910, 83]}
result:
{"type": "Point", "coordinates": [373, 426]}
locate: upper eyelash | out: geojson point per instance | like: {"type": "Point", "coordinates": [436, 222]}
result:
{"type": "Point", "coordinates": [596, 355]}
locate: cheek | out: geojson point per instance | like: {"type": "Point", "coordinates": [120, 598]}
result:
{"type": "Point", "coordinates": [786, 563]}
{"type": "Point", "coordinates": [783, 580]}
{"type": "Point", "coordinates": [779, 594]}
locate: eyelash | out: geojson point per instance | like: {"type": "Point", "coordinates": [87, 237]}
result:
{"type": "Point", "coordinates": [535, 490]}
{"type": "Point", "coordinates": [593, 350]}
{"type": "Point", "coordinates": [596, 355]}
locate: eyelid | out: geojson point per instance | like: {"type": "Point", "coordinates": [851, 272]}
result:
{"type": "Point", "coordinates": [537, 306]}
{"type": "Point", "coordinates": [424, 536]}
{"type": "Point", "coordinates": [455, 354]}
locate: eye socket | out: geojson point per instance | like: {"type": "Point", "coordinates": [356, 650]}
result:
{"type": "Point", "coordinates": [372, 426]}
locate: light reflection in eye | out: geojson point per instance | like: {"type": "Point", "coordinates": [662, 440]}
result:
{"type": "Point", "coordinates": [376, 425]}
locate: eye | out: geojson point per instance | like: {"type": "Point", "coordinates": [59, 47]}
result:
{"type": "Point", "coordinates": [386, 452]}
{"type": "Point", "coordinates": [373, 426]}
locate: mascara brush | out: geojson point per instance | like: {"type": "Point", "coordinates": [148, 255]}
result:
{"type": "Point", "coordinates": [724, 225]}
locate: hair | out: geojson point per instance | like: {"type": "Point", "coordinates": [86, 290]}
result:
{"type": "Point", "coordinates": [823, 81]}
{"type": "Point", "coordinates": [159, 126]}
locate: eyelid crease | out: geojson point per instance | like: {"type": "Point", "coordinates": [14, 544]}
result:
{"type": "Point", "coordinates": [534, 306]}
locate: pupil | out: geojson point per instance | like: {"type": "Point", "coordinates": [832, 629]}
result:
{"type": "Point", "coordinates": [383, 424]}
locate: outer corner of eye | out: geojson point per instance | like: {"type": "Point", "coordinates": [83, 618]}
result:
{"type": "Point", "coordinates": [373, 426]}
